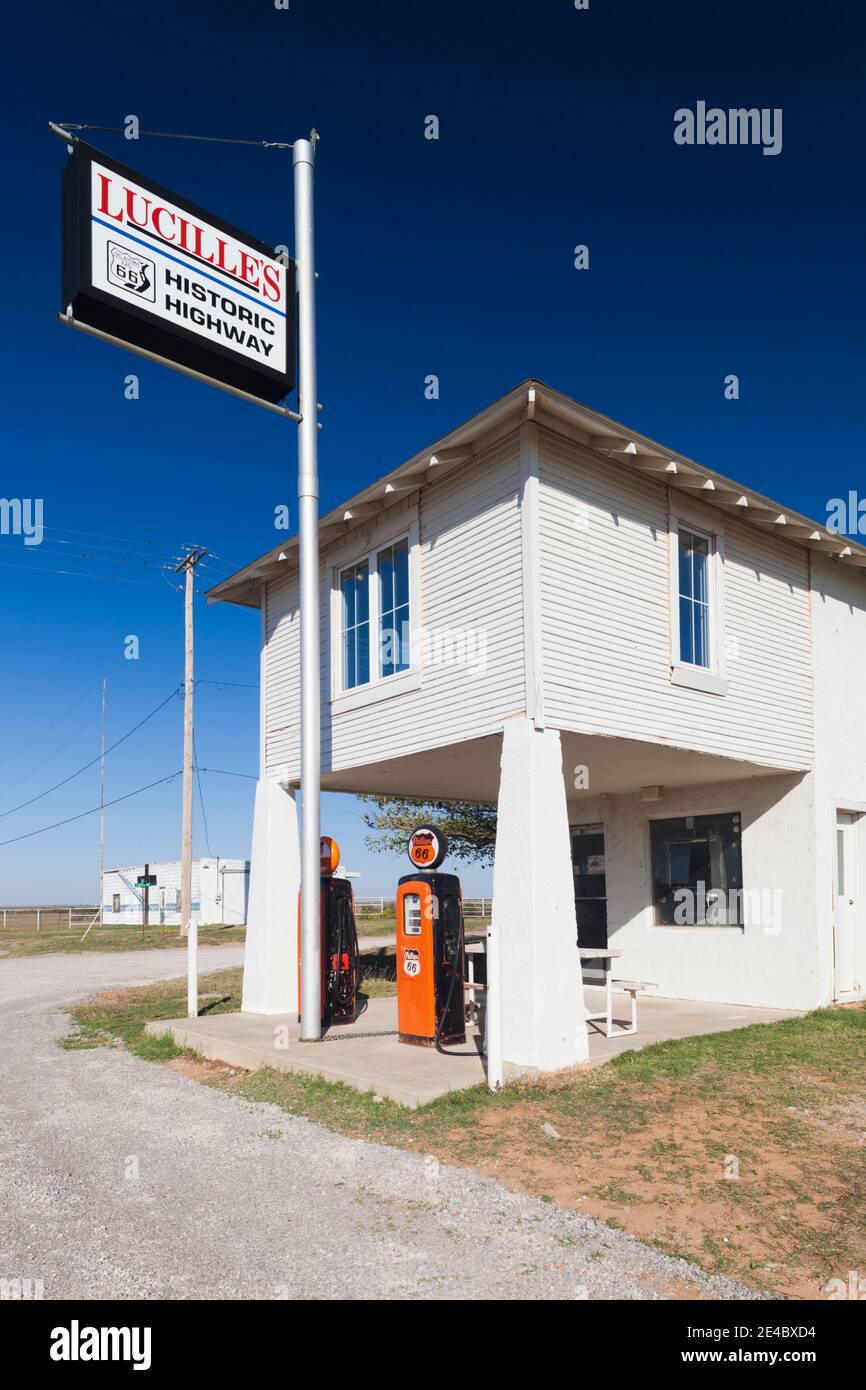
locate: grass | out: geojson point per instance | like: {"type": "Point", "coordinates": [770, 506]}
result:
{"type": "Point", "coordinates": [743, 1151]}
{"type": "Point", "coordinates": [27, 941]}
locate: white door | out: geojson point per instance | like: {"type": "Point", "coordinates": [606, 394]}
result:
{"type": "Point", "coordinates": [850, 944]}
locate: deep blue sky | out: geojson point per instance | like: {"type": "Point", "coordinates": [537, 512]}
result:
{"type": "Point", "coordinates": [451, 257]}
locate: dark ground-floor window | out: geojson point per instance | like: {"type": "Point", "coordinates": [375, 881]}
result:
{"type": "Point", "coordinates": [697, 867]}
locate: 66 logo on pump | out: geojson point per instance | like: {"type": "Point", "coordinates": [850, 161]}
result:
{"type": "Point", "coordinates": [411, 961]}
{"type": "Point", "coordinates": [427, 847]}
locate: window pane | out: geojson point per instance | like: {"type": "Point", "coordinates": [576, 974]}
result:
{"type": "Point", "coordinates": [388, 647]}
{"type": "Point", "coordinates": [401, 623]}
{"type": "Point", "coordinates": [687, 651]}
{"type": "Point", "coordinates": [347, 585]}
{"type": "Point", "coordinates": [349, 652]}
{"type": "Point", "coordinates": [393, 566]}
{"type": "Point", "coordinates": [401, 574]}
{"type": "Point", "coordinates": [701, 657]}
{"type": "Point", "coordinates": [355, 590]}
{"type": "Point", "coordinates": [362, 592]}
{"type": "Point", "coordinates": [697, 870]}
{"type": "Point", "coordinates": [699, 569]}
{"type": "Point", "coordinates": [385, 562]}
{"type": "Point", "coordinates": [685, 552]}
{"type": "Point", "coordinates": [362, 668]}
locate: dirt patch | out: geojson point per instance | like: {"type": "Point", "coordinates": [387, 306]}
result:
{"type": "Point", "coordinates": [114, 998]}
{"type": "Point", "coordinates": [715, 1185]}
{"type": "Point", "coordinates": [202, 1069]}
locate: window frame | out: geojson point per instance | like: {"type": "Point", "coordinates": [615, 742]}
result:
{"type": "Point", "coordinates": [368, 547]}
{"type": "Point", "coordinates": [712, 679]}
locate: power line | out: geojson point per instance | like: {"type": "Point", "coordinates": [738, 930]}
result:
{"type": "Point", "coordinates": [177, 135]}
{"type": "Point", "coordinates": [114, 551]}
{"type": "Point", "coordinates": [92, 812]}
{"type": "Point", "coordinates": [200, 795]}
{"type": "Point", "coordinates": [78, 773]}
{"type": "Point", "coordinates": [115, 558]}
{"type": "Point", "coordinates": [222, 773]}
{"type": "Point", "coordinates": [7, 786]}
{"type": "Point", "coordinates": [167, 546]}
{"type": "Point", "coordinates": [77, 574]}
{"type": "Point", "coordinates": [236, 685]}
{"type": "Point", "coordinates": [46, 730]}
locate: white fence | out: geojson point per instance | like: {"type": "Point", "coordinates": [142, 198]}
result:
{"type": "Point", "coordinates": [45, 918]}
{"type": "Point", "coordinates": [386, 907]}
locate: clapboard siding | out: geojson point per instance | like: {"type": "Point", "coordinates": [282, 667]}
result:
{"type": "Point", "coordinates": [470, 577]}
{"type": "Point", "coordinates": [605, 597]}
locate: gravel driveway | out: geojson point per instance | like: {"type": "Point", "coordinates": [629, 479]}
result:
{"type": "Point", "coordinates": [121, 1179]}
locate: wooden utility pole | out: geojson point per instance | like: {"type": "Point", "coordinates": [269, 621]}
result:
{"type": "Point", "coordinates": [187, 564]}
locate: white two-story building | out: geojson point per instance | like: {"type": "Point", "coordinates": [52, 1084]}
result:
{"type": "Point", "coordinates": [656, 673]}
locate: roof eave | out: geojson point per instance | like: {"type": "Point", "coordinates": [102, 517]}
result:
{"type": "Point", "coordinates": [608, 438]}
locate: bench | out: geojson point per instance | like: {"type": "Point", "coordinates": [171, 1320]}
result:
{"type": "Point", "coordinates": [634, 988]}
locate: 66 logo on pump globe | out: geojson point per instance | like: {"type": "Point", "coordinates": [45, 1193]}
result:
{"type": "Point", "coordinates": [427, 847]}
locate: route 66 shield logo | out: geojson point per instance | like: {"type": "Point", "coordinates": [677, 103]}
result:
{"type": "Point", "coordinates": [131, 271]}
{"type": "Point", "coordinates": [411, 962]}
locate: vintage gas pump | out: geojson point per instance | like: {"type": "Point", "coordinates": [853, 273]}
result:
{"type": "Point", "coordinates": [340, 954]}
{"type": "Point", "coordinates": [430, 1005]}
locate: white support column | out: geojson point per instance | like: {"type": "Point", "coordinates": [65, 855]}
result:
{"type": "Point", "coordinates": [271, 955]}
{"type": "Point", "coordinates": [541, 1013]}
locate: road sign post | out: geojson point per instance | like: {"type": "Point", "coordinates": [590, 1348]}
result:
{"type": "Point", "coordinates": [308, 527]}
{"type": "Point", "coordinates": [145, 269]}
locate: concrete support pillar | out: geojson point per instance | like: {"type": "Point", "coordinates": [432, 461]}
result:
{"type": "Point", "coordinates": [271, 955]}
{"type": "Point", "coordinates": [542, 1016]}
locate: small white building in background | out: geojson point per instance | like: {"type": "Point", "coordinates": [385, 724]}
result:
{"type": "Point", "coordinates": [220, 889]}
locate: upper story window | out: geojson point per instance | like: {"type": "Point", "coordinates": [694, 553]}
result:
{"type": "Point", "coordinates": [375, 616]}
{"type": "Point", "coordinates": [694, 598]}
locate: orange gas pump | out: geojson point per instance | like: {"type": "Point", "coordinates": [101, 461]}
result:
{"type": "Point", "coordinates": [339, 953]}
{"type": "Point", "coordinates": [430, 1006]}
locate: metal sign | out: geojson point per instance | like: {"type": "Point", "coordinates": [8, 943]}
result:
{"type": "Point", "coordinates": [149, 267]}
{"type": "Point", "coordinates": [146, 882]}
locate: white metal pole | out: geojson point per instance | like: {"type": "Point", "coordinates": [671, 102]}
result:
{"type": "Point", "coordinates": [308, 527]}
{"type": "Point", "coordinates": [188, 696]}
{"type": "Point", "coordinates": [102, 804]}
{"type": "Point", "coordinates": [493, 1011]}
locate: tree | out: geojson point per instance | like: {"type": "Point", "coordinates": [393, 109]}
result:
{"type": "Point", "coordinates": [471, 829]}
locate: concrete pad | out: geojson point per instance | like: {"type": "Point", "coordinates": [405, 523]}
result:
{"type": "Point", "coordinates": [367, 1055]}
{"type": "Point", "coordinates": [661, 1020]}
